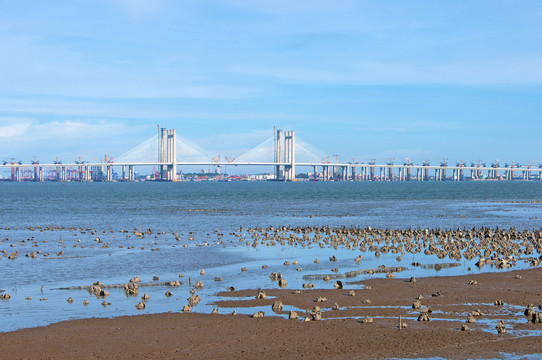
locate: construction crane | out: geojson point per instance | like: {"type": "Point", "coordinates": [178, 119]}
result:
{"type": "Point", "coordinates": [479, 169]}
{"type": "Point", "coordinates": [512, 167]}
{"type": "Point", "coordinates": [336, 168]}
{"type": "Point", "coordinates": [426, 170]}
{"type": "Point", "coordinates": [79, 161]}
{"type": "Point", "coordinates": [461, 164]}
{"type": "Point", "coordinates": [79, 168]}
{"type": "Point", "coordinates": [444, 163]}
{"type": "Point", "coordinates": [372, 171]}
{"type": "Point", "coordinates": [57, 162]}
{"type": "Point", "coordinates": [325, 160]}
{"type": "Point", "coordinates": [390, 169]}
{"type": "Point", "coordinates": [217, 161]}
{"type": "Point", "coordinates": [35, 162]}
{"type": "Point", "coordinates": [230, 160]}
{"type": "Point", "coordinates": [353, 168]}
{"type": "Point", "coordinates": [495, 166]}
{"type": "Point", "coordinates": [408, 170]}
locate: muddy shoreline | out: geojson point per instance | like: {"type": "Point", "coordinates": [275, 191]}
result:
{"type": "Point", "coordinates": [341, 334]}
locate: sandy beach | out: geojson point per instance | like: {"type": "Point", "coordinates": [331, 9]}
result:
{"type": "Point", "coordinates": [341, 334]}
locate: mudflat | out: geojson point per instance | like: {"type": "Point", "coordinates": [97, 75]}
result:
{"type": "Point", "coordinates": [359, 321]}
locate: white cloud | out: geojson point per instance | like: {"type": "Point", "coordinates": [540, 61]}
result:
{"type": "Point", "coordinates": [67, 139]}
{"type": "Point", "coordinates": [526, 70]}
{"type": "Point", "coordinates": [130, 108]}
{"type": "Point", "coordinates": [14, 127]}
{"type": "Point", "coordinates": [77, 129]}
{"type": "Point", "coordinates": [20, 132]}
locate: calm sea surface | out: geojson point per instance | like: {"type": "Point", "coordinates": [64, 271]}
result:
{"type": "Point", "coordinates": [86, 241]}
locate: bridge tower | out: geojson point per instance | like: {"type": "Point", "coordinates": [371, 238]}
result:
{"type": "Point", "coordinates": [168, 158]}
{"type": "Point", "coordinates": [285, 153]}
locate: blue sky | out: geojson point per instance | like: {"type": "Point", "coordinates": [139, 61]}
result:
{"type": "Point", "coordinates": [364, 79]}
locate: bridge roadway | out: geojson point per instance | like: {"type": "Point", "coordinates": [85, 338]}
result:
{"type": "Point", "coordinates": [363, 171]}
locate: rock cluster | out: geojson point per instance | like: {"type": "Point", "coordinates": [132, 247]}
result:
{"type": "Point", "coordinates": [501, 327]}
{"type": "Point", "coordinates": [316, 314]}
{"type": "Point", "coordinates": [261, 294]}
{"type": "Point", "coordinates": [277, 306]}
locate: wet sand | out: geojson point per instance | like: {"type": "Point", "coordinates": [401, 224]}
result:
{"type": "Point", "coordinates": [342, 335]}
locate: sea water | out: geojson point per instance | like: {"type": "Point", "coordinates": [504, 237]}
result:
{"type": "Point", "coordinates": [94, 223]}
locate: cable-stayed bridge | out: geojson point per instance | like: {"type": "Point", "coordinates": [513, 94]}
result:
{"type": "Point", "coordinates": [282, 152]}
